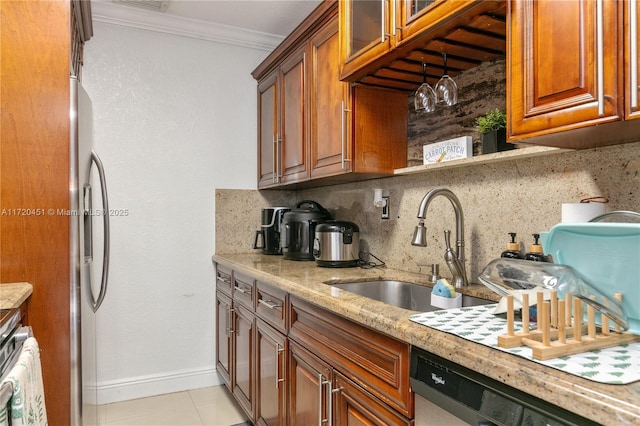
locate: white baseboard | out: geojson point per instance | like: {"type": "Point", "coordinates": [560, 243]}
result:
{"type": "Point", "coordinates": [145, 386]}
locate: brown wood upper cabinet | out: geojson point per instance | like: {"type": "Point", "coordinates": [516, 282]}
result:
{"type": "Point", "coordinates": [329, 106]}
{"type": "Point", "coordinates": [414, 17]}
{"type": "Point", "coordinates": [281, 122]}
{"type": "Point", "coordinates": [371, 28]}
{"type": "Point", "coordinates": [368, 31]}
{"type": "Point", "coordinates": [383, 42]}
{"type": "Point", "coordinates": [567, 66]}
{"type": "Point", "coordinates": [632, 59]}
{"type": "Point", "coordinates": [311, 125]}
{"type": "Point", "coordinates": [353, 129]}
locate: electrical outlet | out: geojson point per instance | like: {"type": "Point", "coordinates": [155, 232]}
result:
{"type": "Point", "coordinates": [385, 209]}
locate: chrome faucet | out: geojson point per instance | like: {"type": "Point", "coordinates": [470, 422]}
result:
{"type": "Point", "coordinates": [455, 260]}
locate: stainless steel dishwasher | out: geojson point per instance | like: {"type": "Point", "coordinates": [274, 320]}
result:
{"type": "Point", "coordinates": [480, 400]}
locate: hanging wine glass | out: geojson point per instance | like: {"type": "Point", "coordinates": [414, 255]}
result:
{"type": "Point", "coordinates": [425, 97]}
{"type": "Point", "coordinates": [446, 89]}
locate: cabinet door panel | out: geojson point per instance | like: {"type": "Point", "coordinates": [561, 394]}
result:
{"type": "Point", "coordinates": [293, 134]}
{"type": "Point", "coordinates": [329, 123]}
{"type": "Point", "coordinates": [271, 387]}
{"type": "Point", "coordinates": [307, 396]}
{"type": "Point", "coordinates": [267, 129]}
{"type": "Point", "coordinates": [563, 66]}
{"type": "Point", "coordinates": [571, 82]}
{"type": "Point", "coordinates": [223, 341]}
{"type": "Point", "coordinates": [379, 130]}
{"type": "Point", "coordinates": [243, 372]}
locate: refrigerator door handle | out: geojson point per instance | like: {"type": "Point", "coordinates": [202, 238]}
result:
{"type": "Point", "coordinates": [88, 224]}
{"type": "Point", "coordinates": [106, 240]}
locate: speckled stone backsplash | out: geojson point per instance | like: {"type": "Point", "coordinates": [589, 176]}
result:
{"type": "Point", "coordinates": [522, 196]}
{"type": "Point", "coordinates": [239, 215]}
{"type": "Point", "coordinates": [518, 195]}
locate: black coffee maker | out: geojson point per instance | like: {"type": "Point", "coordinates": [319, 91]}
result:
{"type": "Point", "coordinates": [269, 232]}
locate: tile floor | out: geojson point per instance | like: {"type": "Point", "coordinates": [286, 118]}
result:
{"type": "Point", "coordinates": [212, 406]}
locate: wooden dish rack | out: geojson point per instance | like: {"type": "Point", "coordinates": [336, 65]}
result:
{"type": "Point", "coordinates": [559, 332]}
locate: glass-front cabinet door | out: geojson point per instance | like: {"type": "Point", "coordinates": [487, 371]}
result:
{"type": "Point", "coordinates": [367, 29]}
{"type": "Point", "coordinates": [414, 7]}
{"type": "Point", "coordinates": [415, 16]}
{"type": "Point", "coordinates": [367, 25]}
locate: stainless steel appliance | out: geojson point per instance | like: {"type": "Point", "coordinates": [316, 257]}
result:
{"type": "Point", "coordinates": [480, 400]}
{"type": "Point", "coordinates": [337, 244]}
{"type": "Point", "coordinates": [269, 232]}
{"type": "Point", "coordinates": [299, 227]}
{"type": "Point", "coordinates": [89, 256]}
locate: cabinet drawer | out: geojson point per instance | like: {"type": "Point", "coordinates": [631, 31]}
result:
{"type": "Point", "coordinates": [223, 279]}
{"type": "Point", "coordinates": [243, 289]}
{"type": "Point", "coordinates": [376, 362]}
{"type": "Point", "coordinates": [354, 403]}
{"type": "Point", "coordinates": [271, 305]}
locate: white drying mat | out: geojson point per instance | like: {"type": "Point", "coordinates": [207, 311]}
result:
{"type": "Point", "coordinates": [615, 365]}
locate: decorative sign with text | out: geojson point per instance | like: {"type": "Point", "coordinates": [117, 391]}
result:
{"type": "Point", "coordinates": [452, 149]}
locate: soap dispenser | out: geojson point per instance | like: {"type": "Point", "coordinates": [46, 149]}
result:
{"type": "Point", "coordinates": [513, 248]}
{"type": "Point", "coordinates": [535, 251]}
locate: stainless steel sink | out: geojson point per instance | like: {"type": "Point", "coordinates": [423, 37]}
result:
{"type": "Point", "coordinates": [414, 297]}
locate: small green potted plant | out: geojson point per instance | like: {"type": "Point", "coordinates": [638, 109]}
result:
{"type": "Point", "coordinates": [492, 127]}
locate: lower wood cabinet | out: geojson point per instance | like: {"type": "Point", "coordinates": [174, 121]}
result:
{"type": "Point", "coordinates": [271, 375]}
{"type": "Point", "coordinates": [243, 373]}
{"type": "Point", "coordinates": [223, 338]}
{"type": "Point", "coordinates": [310, 392]}
{"type": "Point", "coordinates": [235, 339]}
{"type": "Point", "coordinates": [376, 362]}
{"type": "Point", "coordinates": [290, 362]}
{"type": "Point", "coordinates": [354, 406]}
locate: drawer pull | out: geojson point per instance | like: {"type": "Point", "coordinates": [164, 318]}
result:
{"type": "Point", "coordinates": [279, 351]}
{"type": "Point", "coordinates": [269, 304]}
{"type": "Point", "coordinates": [600, 54]}
{"type": "Point", "coordinates": [224, 278]}
{"type": "Point", "coordinates": [345, 138]}
{"type": "Point", "coordinates": [230, 321]}
{"type": "Point", "coordinates": [242, 290]}
{"type": "Point", "coordinates": [329, 402]}
{"type": "Point", "coordinates": [321, 383]}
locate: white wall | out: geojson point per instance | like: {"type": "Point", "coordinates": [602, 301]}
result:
{"type": "Point", "coordinates": [174, 118]}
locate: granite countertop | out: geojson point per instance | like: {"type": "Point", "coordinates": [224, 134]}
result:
{"type": "Point", "coordinates": [607, 404]}
{"type": "Point", "coordinates": [12, 295]}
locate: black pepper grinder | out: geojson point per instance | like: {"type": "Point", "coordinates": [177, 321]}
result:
{"type": "Point", "coordinates": [513, 248]}
{"type": "Point", "coordinates": [535, 251]}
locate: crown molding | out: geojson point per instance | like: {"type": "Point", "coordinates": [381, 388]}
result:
{"type": "Point", "coordinates": [127, 16]}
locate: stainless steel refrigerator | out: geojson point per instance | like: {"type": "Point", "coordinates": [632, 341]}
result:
{"type": "Point", "coordinates": [89, 216]}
